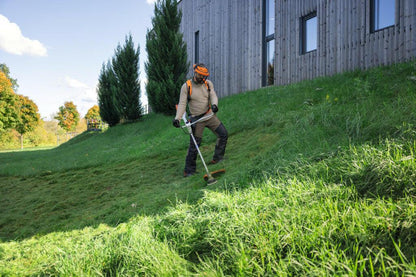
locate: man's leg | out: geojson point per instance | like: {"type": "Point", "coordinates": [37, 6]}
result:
{"type": "Point", "coordinates": [216, 126]}
{"type": "Point", "coordinates": [190, 163]}
{"type": "Point", "coordinates": [222, 137]}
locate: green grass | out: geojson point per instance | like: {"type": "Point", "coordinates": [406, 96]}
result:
{"type": "Point", "coordinates": [320, 182]}
{"type": "Point", "coordinates": [28, 149]}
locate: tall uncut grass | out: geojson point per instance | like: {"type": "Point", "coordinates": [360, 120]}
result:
{"type": "Point", "coordinates": [320, 182]}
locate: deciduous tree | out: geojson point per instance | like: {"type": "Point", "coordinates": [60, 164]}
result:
{"type": "Point", "coordinates": [93, 118]}
{"type": "Point", "coordinates": [5, 70]}
{"type": "Point", "coordinates": [28, 117]}
{"type": "Point", "coordinates": [8, 103]}
{"type": "Point", "coordinates": [93, 113]}
{"type": "Point", "coordinates": [68, 116]}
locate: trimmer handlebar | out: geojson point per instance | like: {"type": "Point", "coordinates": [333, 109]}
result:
{"type": "Point", "coordinates": [185, 120]}
{"type": "Point", "coordinates": [187, 123]}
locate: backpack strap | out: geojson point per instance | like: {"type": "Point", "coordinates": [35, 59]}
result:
{"type": "Point", "coordinates": [189, 84]}
{"type": "Point", "coordinates": [209, 95]}
{"type": "Point", "coordinates": [208, 88]}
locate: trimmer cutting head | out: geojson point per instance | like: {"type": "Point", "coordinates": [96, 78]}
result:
{"type": "Point", "coordinates": [210, 178]}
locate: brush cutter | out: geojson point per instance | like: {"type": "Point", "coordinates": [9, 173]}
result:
{"type": "Point", "coordinates": [209, 177]}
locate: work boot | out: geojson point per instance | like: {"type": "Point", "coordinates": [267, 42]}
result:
{"type": "Point", "coordinates": [215, 162]}
{"type": "Point", "coordinates": [187, 174]}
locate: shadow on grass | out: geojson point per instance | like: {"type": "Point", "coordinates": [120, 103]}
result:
{"type": "Point", "coordinates": [113, 193]}
{"type": "Point", "coordinates": [109, 194]}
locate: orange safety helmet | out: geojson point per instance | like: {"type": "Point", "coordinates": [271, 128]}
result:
{"type": "Point", "coordinates": [200, 68]}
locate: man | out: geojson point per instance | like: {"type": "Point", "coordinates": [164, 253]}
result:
{"type": "Point", "coordinates": [199, 94]}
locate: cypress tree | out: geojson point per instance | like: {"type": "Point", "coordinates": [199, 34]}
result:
{"type": "Point", "coordinates": [126, 69]}
{"type": "Point", "coordinates": [107, 96]}
{"type": "Point", "coordinates": [167, 63]}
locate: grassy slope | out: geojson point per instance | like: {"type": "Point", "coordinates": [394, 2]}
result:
{"type": "Point", "coordinates": [320, 179]}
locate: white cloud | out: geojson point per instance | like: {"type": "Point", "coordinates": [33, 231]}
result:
{"type": "Point", "coordinates": [82, 95]}
{"type": "Point", "coordinates": [90, 96]}
{"type": "Point", "coordinates": [151, 2]}
{"type": "Point", "coordinates": [13, 41]}
{"type": "Point", "coordinates": [73, 83]}
{"type": "Point", "coordinates": [85, 100]}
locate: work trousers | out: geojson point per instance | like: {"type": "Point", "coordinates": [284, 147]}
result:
{"type": "Point", "coordinates": [215, 125]}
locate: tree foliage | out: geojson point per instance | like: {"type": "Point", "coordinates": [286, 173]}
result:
{"type": "Point", "coordinates": [167, 58]}
{"type": "Point", "coordinates": [126, 69]}
{"type": "Point", "coordinates": [68, 116]}
{"type": "Point", "coordinates": [8, 103]}
{"type": "Point", "coordinates": [5, 70]}
{"type": "Point", "coordinates": [28, 115]}
{"type": "Point", "coordinates": [107, 96]}
{"type": "Point", "coordinates": [17, 112]}
{"type": "Point", "coordinates": [119, 86]}
{"type": "Point", "coordinates": [93, 113]}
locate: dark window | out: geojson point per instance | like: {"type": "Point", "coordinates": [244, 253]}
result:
{"type": "Point", "coordinates": [382, 14]}
{"type": "Point", "coordinates": [270, 62]}
{"type": "Point", "coordinates": [196, 47]}
{"type": "Point", "coordinates": [268, 42]}
{"type": "Point", "coordinates": [309, 33]}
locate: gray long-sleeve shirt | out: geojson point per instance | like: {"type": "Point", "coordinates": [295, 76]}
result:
{"type": "Point", "coordinates": [200, 98]}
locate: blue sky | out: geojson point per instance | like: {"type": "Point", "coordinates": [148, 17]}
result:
{"type": "Point", "coordinates": [55, 48]}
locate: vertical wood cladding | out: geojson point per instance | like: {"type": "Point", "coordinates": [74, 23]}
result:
{"type": "Point", "coordinates": [231, 39]}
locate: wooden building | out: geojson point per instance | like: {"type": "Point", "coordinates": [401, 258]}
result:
{"type": "Point", "coordinates": [248, 44]}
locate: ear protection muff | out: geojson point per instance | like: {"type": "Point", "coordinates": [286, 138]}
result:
{"type": "Point", "coordinates": [201, 69]}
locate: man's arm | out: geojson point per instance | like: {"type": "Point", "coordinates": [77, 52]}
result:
{"type": "Point", "coordinates": [183, 100]}
{"type": "Point", "coordinates": [213, 95]}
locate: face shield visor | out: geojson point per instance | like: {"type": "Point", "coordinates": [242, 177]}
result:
{"type": "Point", "coordinates": [200, 73]}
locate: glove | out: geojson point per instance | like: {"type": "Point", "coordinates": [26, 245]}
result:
{"type": "Point", "coordinates": [214, 108]}
{"type": "Point", "coordinates": [176, 123]}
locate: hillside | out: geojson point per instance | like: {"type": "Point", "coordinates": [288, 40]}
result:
{"type": "Point", "coordinates": [320, 181]}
